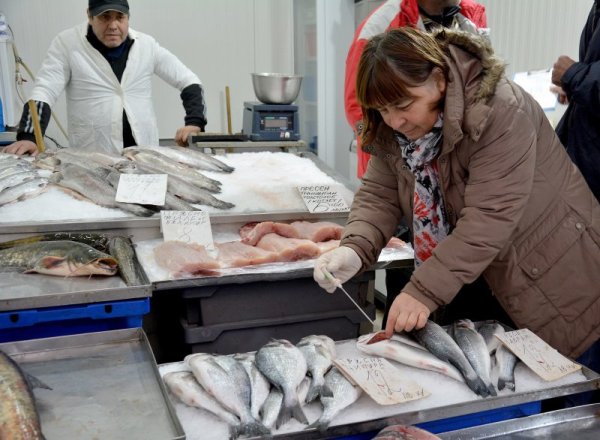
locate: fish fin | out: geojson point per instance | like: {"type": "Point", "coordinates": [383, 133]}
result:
{"type": "Point", "coordinates": [377, 337]}
{"type": "Point", "coordinates": [49, 262]}
{"type": "Point", "coordinates": [320, 425]}
{"type": "Point", "coordinates": [326, 391]}
{"type": "Point", "coordinates": [492, 390]}
{"type": "Point", "coordinates": [314, 391]}
{"type": "Point", "coordinates": [503, 383]}
{"type": "Point", "coordinates": [34, 382]}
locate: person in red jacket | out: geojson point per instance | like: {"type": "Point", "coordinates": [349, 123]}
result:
{"type": "Point", "coordinates": [466, 15]}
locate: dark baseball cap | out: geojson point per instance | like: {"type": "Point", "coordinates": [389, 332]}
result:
{"type": "Point", "coordinates": [98, 7]}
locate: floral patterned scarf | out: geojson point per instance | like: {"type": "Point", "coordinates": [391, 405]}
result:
{"type": "Point", "coordinates": [429, 222]}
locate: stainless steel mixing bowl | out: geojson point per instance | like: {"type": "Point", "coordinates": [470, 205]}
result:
{"type": "Point", "coordinates": [276, 88]}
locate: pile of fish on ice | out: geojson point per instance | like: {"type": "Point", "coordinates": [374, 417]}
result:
{"type": "Point", "coordinates": [259, 243]}
{"type": "Point", "coordinates": [95, 176]}
{"type": "Point", "coordinates": [70, 254]}
{"type": "Point", "coordinates": [464, 353]}
{"type": "Point", "coordinates": [256, 392]}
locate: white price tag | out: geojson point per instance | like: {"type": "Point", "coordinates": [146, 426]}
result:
{"type": "Point", "coordinates": [544, 360]}
{"type": "Point", "coordinates": [187, 227]}
{"type": "Point", "coordinates": [380, 380]}
{"type": "Point", "coordinates": [322, 198]}
{"type": "Point", "coordinates": [145, 189]}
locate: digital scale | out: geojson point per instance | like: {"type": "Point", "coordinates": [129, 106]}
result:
{"type": "Point", "coordinates": [271, 122]}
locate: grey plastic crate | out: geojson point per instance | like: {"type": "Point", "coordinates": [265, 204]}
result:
{"type": "Point", "coordinates": [246, 336]}
{"type": "Point", "coordinates": [271, 300]}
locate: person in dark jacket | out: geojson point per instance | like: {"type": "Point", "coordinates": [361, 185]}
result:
{"type": "Point", "coordinates": [579, 82]}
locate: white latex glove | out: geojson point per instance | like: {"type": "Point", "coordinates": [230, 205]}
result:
{"type": "Point", "coordinates": [343, 263]}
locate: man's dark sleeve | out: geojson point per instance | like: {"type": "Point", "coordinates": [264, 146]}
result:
{"type": "Point", "coordinates": [25, 130]}
{"type": "Point", "coordinates": [195, 107]}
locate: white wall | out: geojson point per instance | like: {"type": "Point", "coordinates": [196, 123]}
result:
{"type": "Point", "coordinates": [222, 41]}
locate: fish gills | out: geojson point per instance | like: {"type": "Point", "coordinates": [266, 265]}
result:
{"type": "Point", "coordinates": [19, 419]}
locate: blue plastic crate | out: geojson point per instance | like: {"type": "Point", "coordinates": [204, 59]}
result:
{"type": "Point", "coordinates": [46, 322]}
{"type": "Point", "coordinates": [468, 420]}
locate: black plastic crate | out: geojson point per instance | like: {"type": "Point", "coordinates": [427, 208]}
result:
{"type": "Point", "coordinates": [250, 335]}
{"type": "Point", "coordinates": [231, 303]}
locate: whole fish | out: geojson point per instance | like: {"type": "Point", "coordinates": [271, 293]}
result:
{"type": "Point", "coordinates": [129, 268]}
{"type": "Point", "coordinates": [506, 362]}
{"type": "Point", "coordinates": [272, 405]}
{"type": "Point", "coordinates": [473, 346]}
{"type": "Point", "coordinates": [344, 395]}
{"type": "Point", "coordinates": [19, 419]}
{"type": "Point", "coordinates": [407, 352]}
{"type": "Point", "coordinates": [439, 343]}
{"type": "Point", "coordinates": [228, 382]}
{"type": "Point", "coordinates": [403, 432]}
{"type": "Point", "coordinates": [95, 188]}
{"type": "Point", "coordinates": [284, 366]}
{"type": "Point", "coordinates": [259, 384]}
{"type": "Point", "coordinates": [61, 258]}
{"type": "Point", "coordinates": [97, 241]}
{"type": "Point", "coordinates": [192, 157]}
{"type": "Point", "coordinates": [24, 190]}
{"type": "Point", "coordinates": [172, 168]}
{"type": "Point", "coordinates": [16, 179]}
{"type": "Point", "coordinates": [186, 388]}
{"type": "Point", "coordinates": [319, 359]}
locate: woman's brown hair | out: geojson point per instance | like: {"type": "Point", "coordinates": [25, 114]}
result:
{"type": "Point", "coordinates": [391, 63]}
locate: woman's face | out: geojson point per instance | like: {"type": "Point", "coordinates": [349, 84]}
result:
{"type": "Point", "coordinates": [414, 117]}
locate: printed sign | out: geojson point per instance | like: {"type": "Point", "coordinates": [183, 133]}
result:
{"type": "Point", "coordinates": [544, 360]}
{"type": "Point", "coordinates": [145, 189]}
{"type": "Point", "coordinates": [186, 226]}
{"type": "Point", "coordinates": [322, 198]}
{"type": "Point", "coordinates": [380, 380]}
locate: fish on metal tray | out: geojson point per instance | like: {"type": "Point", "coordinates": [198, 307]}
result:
{"type": "Point", "coordinates": [403, 432]}
{"type": "Point", "coordinates": [283, 364]}
{"type": "Point", "coordinates": [473, 346]}
{"type": "Point", "coordinates": [16, 179]}
{"type": "Point", "coordinates": [19, 419]}
{"type": "Point", "coordinates": [259, 384]}
{"type": "Point", "coordinates": [24, 190]}
{"type": "Point", "coordinates": [319, 354]}
{"type": "Point", "coordinates": [61, 258]}
{"type": "Point", "coordinates": [344, 395]}
{"type": "Point", "coordinates": [435, 339]}
{"type": "Point", "coordinates": [506, 362]}
{"type": "Point", "coordinates": [408, 352]}
{"type": "Point", "coordinates": [186, 388]}
{"type": "Point", "coordinates": [130, 270]}
{"type": "Point", "coordinates": [225, 379]}
{"type": "Point", "coordinates": [95, 240]}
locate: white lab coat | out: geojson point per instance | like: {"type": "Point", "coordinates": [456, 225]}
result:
{"type": "Point", "coordinates": [96, 99]}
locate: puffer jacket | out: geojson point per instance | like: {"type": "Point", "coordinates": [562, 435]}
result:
{"type": "Point", "coordinates": [521, 213]}
{"type": "Point", "coordinates": [95, 97]}
{"type": "Point", "coordinates": [391, 15]}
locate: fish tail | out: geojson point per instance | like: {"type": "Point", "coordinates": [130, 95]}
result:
{"type": "Point", "coordinates": [287, 412]}
{"type": "Point", "coordinates": [320, 425]}
{"type": "Point", "coordinates": [478, 387]}
{"type": "Point", "coordinates": [506, 383]}
{"type": "Point", "coordinates": [491, 390]}
{"type": "Point", "coordinates": [254, 429]}
{"type": "Point", "coordinates": [316, 390]}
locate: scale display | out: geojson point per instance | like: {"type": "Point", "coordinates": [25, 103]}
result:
{"type": "Point", "coordinates": [271, 122]}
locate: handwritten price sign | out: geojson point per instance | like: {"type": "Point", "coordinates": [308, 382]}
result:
{"type": "Point", "coordinates": [380, 380]}
{"type": "Point", "coordinates": [544, 360]}
{"type": "Point", "coordinates": [322, 198]}
{"type": "Point", "coordinates": [145, 189]}
{"type": "Point", "coordinates": [186, 226]}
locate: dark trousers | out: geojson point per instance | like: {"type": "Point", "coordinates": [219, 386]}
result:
{"type": "Point", "coordinates": [474, 301]}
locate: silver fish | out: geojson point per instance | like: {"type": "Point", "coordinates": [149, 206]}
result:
{"type": "Point", "coordinates": [344, 395]}
{"type": "Point", "coordinates": [259, 384]}
{"type": "Point", "coordinates": [506, 361]}
{"type": "Point", "coordinates": [284, 365]}
{"type": "Point", "coordinates": [401, 349]}
{"type": "Point", "coordinates": [16, 179]}
{"type": "Point", "coordinates": [438, 342]}
{"type": "Point", "coordinates": [488, 329]}
{"type": "Point", "coordinates": [473, 346]}
{"type": "Point", "coordinates": [19, 419]}
{"type": "Point", "coordinates": [61, 258]}
{"type": "Point", "coordinates": [319, 359]}
{"type": "Point", "coordinates": [192, 157]}
{"type": "Point", "coordinates": [272, 405]}
{"type": "Point", "coordinates": [228, 382]}
{"type": "Point", "coordinates": [186, 388]}
{"type": "Point", "coordinates": [24, 190]}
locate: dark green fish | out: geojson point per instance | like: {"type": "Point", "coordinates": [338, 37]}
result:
{"type": "Point", "coordinates": [129, 268]}
{"type": "Point", "coordinates": [97, 241]}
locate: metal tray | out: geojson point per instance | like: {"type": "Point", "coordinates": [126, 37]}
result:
{"type": "Point", "coordinates": [105, 385]}
{"type": "Point", "coordinates": [582, 423]}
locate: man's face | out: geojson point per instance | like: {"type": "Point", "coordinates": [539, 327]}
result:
{"type": "Point", "coordinates": [111, 27]}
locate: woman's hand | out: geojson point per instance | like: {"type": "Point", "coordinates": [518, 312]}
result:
{"type": "Point", "coordinates": [406, 314]}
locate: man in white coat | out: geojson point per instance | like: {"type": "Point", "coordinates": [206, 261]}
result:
{"type": "Point", "coordinates": [106, 70]}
